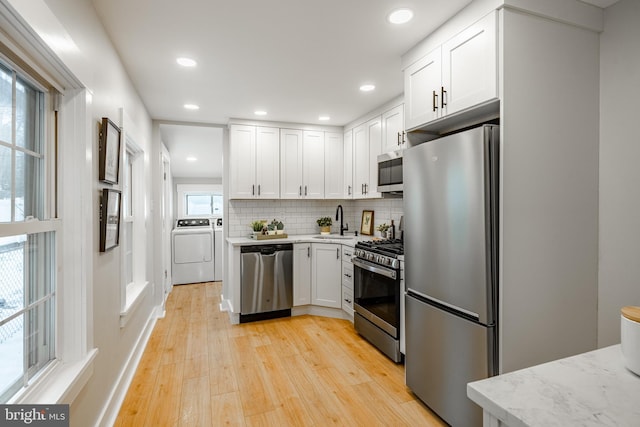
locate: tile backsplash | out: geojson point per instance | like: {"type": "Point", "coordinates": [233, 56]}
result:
{"type": "Point", "coordinates": [299, 216]}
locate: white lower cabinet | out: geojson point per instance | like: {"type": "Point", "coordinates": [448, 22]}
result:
{"type": "Point", "coordinates": [301, 274]}
{"type": "Point", "coordinates": [347, 279]}
{"type": "Point", "coordinates": [326, 270]}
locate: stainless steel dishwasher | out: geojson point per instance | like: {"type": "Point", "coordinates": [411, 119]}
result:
{"type": "Point", "coordinates": [266, 281]}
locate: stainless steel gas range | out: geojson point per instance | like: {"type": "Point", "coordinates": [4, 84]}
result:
{"type": "Point", "coordinates": [378, 294]}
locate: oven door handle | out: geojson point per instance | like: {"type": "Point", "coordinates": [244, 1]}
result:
{"type": "Point", "coordinates": [374, 268]}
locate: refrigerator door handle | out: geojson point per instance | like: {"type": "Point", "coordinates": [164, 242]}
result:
{"type": "Point", "coordinates": [467, 313]}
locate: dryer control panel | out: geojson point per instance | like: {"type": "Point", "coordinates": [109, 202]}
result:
{"type": "Point", "coordinates": [202, 222]}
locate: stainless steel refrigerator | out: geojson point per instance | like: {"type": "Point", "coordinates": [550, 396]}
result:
{"type": "Point", "coordinates": [451, 251]}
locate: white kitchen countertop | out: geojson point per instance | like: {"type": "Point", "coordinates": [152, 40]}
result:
{"type": "Point", "coordinates": [300, 238]}
{"type": "Point", "coordinates": [590, 389]}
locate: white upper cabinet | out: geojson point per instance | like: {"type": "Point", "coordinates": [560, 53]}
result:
{"type": "Point", "coordinates": [347, 186]}
{"type": "Point", "coordinates": [367, 139]}
{"type": "Point", "coordinates": [360, 160]}
{"type": "Point", "coordinates": [393, 135]}
{"type": "Point", "coordinates": [254, 162]}
{"type": "Point", "coordinates": [333, 165]}
{"type": "Point", "coordinates": [291, 164]}
{"type": "Point", "coordinates": [459, 74]}
{"type": "Point", "coordinates": [313, 164]}
{"type": "Point", "coordinates": [469, 66]}
{"type": "Point", "coordinates": [268, 162]}
{"type": "Point", "coordinates": [302, 159]}
{"type": "Point", "coordinates": [421, 81]}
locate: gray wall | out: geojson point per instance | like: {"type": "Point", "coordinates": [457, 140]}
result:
{"type": "Point", "coordinates": [619, 266]}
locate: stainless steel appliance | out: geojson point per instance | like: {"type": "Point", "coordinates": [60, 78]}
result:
{"type": "Point", "coordinates": [450, 213]}
{"type": "Point", "coordinates": [377, 293]}
{"type": "Point", "coordinates": [266, 281]}
{"type": "Point", "coordinates": [390, 173]}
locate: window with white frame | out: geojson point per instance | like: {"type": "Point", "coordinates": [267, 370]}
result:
{"type": "Point", "coordinates": [28, 231]}
{"type": "Point", "coordinates": [199, 200]}
{"type": "Point", "coordinates": [132, 231]}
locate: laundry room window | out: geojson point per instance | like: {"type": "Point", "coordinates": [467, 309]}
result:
{"type": "Point", "coordinates": [199, 200]}
{"type": "Point", "coordinates": [203, 204]}
{"type": "Point", "coordinates": [28, 231]}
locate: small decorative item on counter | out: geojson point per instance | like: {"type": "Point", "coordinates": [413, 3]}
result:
{"type": "Point", "coordinates": [257, 226]}
{"type": "Point", "coordinates": [384, 230]}
{"type": "Point", "coordinates": [325, 224]}
{"type": "Point", "coordinates": [630, 337]}
{"type": "Point", "coordinates": [272, 230]}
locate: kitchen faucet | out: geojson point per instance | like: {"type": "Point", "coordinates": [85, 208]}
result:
{"type": "Point", "coordinates": [340, 213]}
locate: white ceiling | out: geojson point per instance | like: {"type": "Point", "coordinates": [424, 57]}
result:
{"type": "Point", "coordinates": [296, 59]}
{"type": "Point", "coordinates": [203, 143]}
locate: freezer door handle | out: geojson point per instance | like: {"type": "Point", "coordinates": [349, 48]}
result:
{"type": "Point", "coordinates": [466, 313]}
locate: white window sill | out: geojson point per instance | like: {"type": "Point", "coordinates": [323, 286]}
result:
{"type": "Point", "coordinates": [135, 294]}
{"type": "Point", "coordinates": [60, 383]}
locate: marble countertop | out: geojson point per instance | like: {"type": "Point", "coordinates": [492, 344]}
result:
{"type": "Point", "coordinates": [590, 389]}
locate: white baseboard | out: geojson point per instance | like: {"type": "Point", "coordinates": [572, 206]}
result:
{"type": "Point", "coordinates": [112, 406]}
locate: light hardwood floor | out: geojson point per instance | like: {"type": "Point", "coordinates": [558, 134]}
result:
{"type": "Point", "coordinates": [199, 370]}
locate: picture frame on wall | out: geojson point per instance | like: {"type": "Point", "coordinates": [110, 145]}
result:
{"type": "Point", "coordinates": [109, 148]}
{"type": "Point", "coordinates": [110, 219]}
{"type": "Point", "coordinates": [366, 225]}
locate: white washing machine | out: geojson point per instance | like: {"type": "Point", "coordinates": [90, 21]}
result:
{"type": "Point", "coordinates": [193, 251]}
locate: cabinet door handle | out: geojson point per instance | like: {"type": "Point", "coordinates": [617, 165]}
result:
{"type": "Point", "coordinates": [347, 275]}
{"type": "Point", "coordinates": [308, 252]}
{"type": "Point", "coordinates": [258, 189]}
{"type": "Point", "coordinates": [348, 190]}
{"type": "Point", "coordinates": [442, 94]}
{"type": "Point", "coordinates": [403, 135]}
{"type": "Point", "coordinates": [435, 101]}
{"type": "Point", "coordinates": [399, 138]}
{"type": "Point", "coordinates": [300, 191]}
{"type": "Point", "coordinates": [348, 301]}
{"type": "Point", "coordinates": [253, 190]}
{"type": "Point", "coordinates": [305, 190]}
{"type": "Point", "coordinates": [366, 189]}
{"type": "Point", "coordinates": [337, 253]}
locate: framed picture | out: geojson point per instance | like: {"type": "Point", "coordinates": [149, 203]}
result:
{"type": "Point", "coordinates": [366, 226]}
{"type": "Point", "coordinates": [109, 219]}
{"type": "Point", "coordinates": [109, 148]}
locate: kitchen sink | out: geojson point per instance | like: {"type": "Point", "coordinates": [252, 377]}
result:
{"type": "Point", "coordinates": [332, 237]}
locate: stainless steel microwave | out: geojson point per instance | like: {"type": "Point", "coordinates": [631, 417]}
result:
{"type": "Point", "coordinates": [390, 172]}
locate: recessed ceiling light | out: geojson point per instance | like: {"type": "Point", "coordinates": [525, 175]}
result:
{"type": "Point", "coordinates": [191, 159]}
{"type": "Point", "coordinates": [400, 16]}
{"type": "Point", "coordinates": [367, 88]}
{"type": "Point", "coordinates": [191, 107]}
{"type": "Point", "coordinates": [324, 118]}
{"type": "Point", "coordinates": [186, 62]}
{"type": "Point", "coordinates": [260, 113]}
